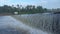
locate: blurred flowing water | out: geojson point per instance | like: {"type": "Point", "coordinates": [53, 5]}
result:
{"type": "Point", "coordinates": [9, 25]}
{"type": "Point", "coordinates": [46, 21]}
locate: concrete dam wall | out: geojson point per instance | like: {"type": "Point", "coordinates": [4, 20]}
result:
{"type": "Point", "coordinates": [46, 22]}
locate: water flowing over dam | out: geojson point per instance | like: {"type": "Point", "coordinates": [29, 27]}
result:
{"type": "Point", "coordinates": [45, 22]}
{"type": "Point", "coordinates": [9, 25]}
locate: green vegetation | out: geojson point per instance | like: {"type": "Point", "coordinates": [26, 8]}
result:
{"type": "Point", "coordinates": [29, 9]}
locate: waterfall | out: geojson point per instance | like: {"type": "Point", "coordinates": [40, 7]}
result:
{"type": "Point", "coordinates": [46, 22]}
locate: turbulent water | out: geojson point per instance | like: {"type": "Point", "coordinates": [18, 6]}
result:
{"type": "Point", "coordinates": [9, 25]}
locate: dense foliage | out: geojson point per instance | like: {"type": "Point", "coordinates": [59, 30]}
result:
{"type": "Point", "coordinates": [29, 9]}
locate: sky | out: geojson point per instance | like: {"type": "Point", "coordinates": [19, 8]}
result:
{"type": "Point", "coordinates": [44, 3]}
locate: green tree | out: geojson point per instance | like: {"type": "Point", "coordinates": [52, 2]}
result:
{"type": "Point", "coordinates": [39, 9]}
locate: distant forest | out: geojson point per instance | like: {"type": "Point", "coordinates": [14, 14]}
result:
{"type": "Point", "coordinates": [29, 9]}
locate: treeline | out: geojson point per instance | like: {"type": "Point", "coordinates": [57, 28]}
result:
{"type": "Point", "coordinates": [29, 9]}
